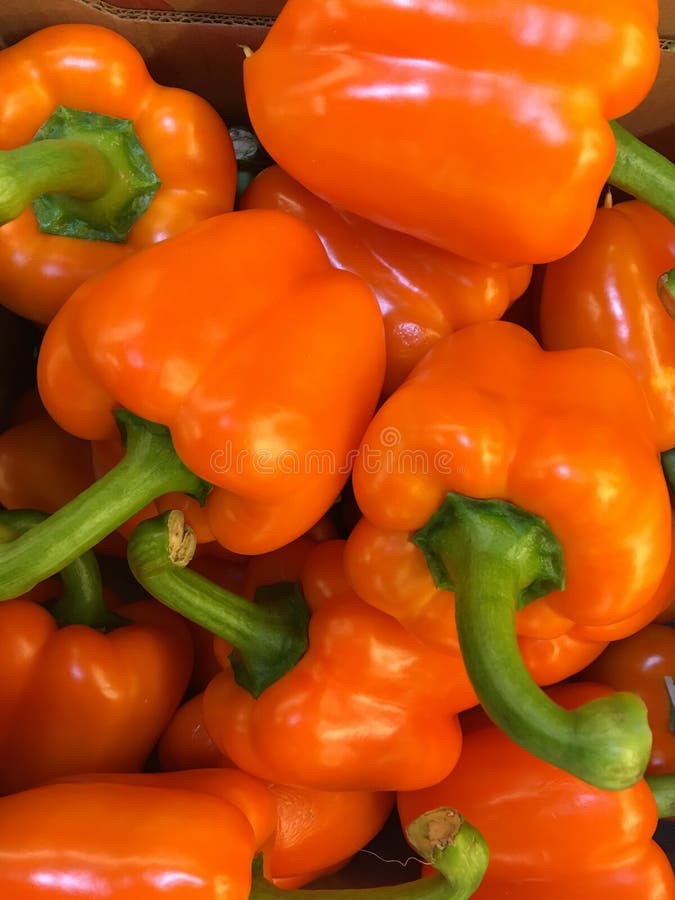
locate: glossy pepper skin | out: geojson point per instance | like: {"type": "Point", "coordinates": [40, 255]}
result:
{"type": "Point", "coordinates": [368, 707]}
{"type": "Point", "coordinates": [87, 687]}
{"type": "Point", "coordinates": [231, 335]}
{"type": "Point", "coordinates": [230, 818]}
{"type": "Point", "coordinates": [179, 835]}
{"type": "Point", "coordinates": [317, 831]}
{"type": "Point", "coordinates": [390, 572]}
{"type": "Point", "coordinates": [641, 663]}
{"type": "Point", "coordinates": [487, 432]}
{"type": "Point", "coordinates": [41, 465]}
{"type": "Point", "coordinates": [361, 704]}
{"type": "Point", "coordinates": [604, 294]}
{"type": "Point", "coordinates": [77, 700]}
{"type": "Point", "coordinates": [423, 292]}
{"type": "Point", "coordinates": [344, 99]}
{"type": "Point", "coordinates": [551, 836]}
{"type": "Point", "coordinates": [490, 414]}
{"type": "Point", "coordinates": [90, 68]}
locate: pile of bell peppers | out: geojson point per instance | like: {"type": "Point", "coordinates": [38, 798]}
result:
{"type": "Point", "coordinates": [302, 537]}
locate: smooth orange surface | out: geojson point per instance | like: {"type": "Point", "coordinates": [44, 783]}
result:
{"type": "Point", "coordinates": [75, 700]}
{"type": "Point", "coordinates": [91, 68]}
{"type": "Point", "coordinates": [316, 830]}
{"type": "Point", "coordinates": [263, 360]}
{"type": "Point", "coordinates": [565, 435]}
{"type": "Point", "coordinates": [183, 835]}
{"type": "Point", "coordinates": [480, 128]}
{"type": "Point", "coordinates": [423, 292]}
{"type": "Point", "coordinates": [41, 465]}
{"type": "Point", "coordinates": [551, 835]}
{"type": "Point", "coordinates": [604, 295]}
{"type": "Point", "coordinates": [368, 707]}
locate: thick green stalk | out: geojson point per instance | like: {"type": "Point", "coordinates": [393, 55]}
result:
{"type": "Point", "coordinates": [148, 469]}
{"type": "Point", "coordinates": [642, 172]}
{"type": "Point", "coordinates": [663, 788]}
{"type": "Point", "coordinates": [446, 841]}
{"type": "Point", "coordinates": [497, 558]}
{"type": "Point", "coordinates": [86, 175]}
{"type": "Point", "coordinates": [269, 636]}
{"type": "Point", "coordinates": [81, 602]}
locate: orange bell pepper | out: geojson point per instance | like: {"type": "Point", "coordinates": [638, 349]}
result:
{"type": "Point", "coordinates": [188, 834]}
{"type": "Point", "coordinates": [483, 134]}
{"type": "Point", "coordinates": [423, 292]}
{"type": "Point", "coordinates": [41, 465]}
{"type": "Point", "coordinates": [95, 201]}
{"type": "Point", "coordinates": [243, 576]}
{"type": "Point", "coordinates": [551, 836]}
{"type": "Point", "coordinates": [346, 699]}
{"type": "Point", "coordinates": [86, 689]}
{"type": "Point", "coordinates": [245, 391]}
{"type": "Point", "coordinates": [641, 663]}
{"type": "Point", "coordinates": [604, 294]}
{"type": "Point", "coordinates": [529, 484]}
{"type": "Point", "coordinates": [322, 829]}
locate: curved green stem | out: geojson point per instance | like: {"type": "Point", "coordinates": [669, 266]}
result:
{"type": "Point", "coordinates": [446, 841]}
{"type": "Point", "coordinates": [269, 636]}
{"type": "Point", "coordinates": [643, 172]}
{"type": "Point", "coordinates": [665, 288]}
{"type": "Point", "coordinates": [497, 558]}
{"type": "Point", "coordinates": [86, 175]}
{"type": "Point", "coordinates": [663, 789]}
{"type": "Point", "coordinates": [148, 469]}
{"type": "Point", "coordinates": [51, 167]}
{"type": "Point", "coordinates": [81, 602]}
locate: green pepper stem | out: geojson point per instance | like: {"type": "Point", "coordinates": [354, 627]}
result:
{"type": "Point", "coordinates": [86, 174]}
{"type": "Point", "coordinates": [665, 289]}
{"type": "Point", "coordinates": [446, 841]}
{"type": "Point", "coordinates": [497, 558]}
{"type": "Point", "coordinates": [149, 468]}
{"type": "Point", "coordinates": [51, 167]}
{"type": "Point", "coordinates": [269, 635]}
{"type": "Point", "coordinates": [663, 788]}
{"type": "Point", "coordinates": [81, 602]}
{"type": "Point", "coordinates": [643, 172]}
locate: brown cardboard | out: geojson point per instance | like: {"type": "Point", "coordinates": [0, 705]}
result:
{"type": "Point", "coordinates": [654, 119]}
{"type": "Point", "coordinates": [667, 18]}
{"type": "Point", "coordinates": [233, 7]}
{"type": "Point", "coordinates": [197, 50]}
